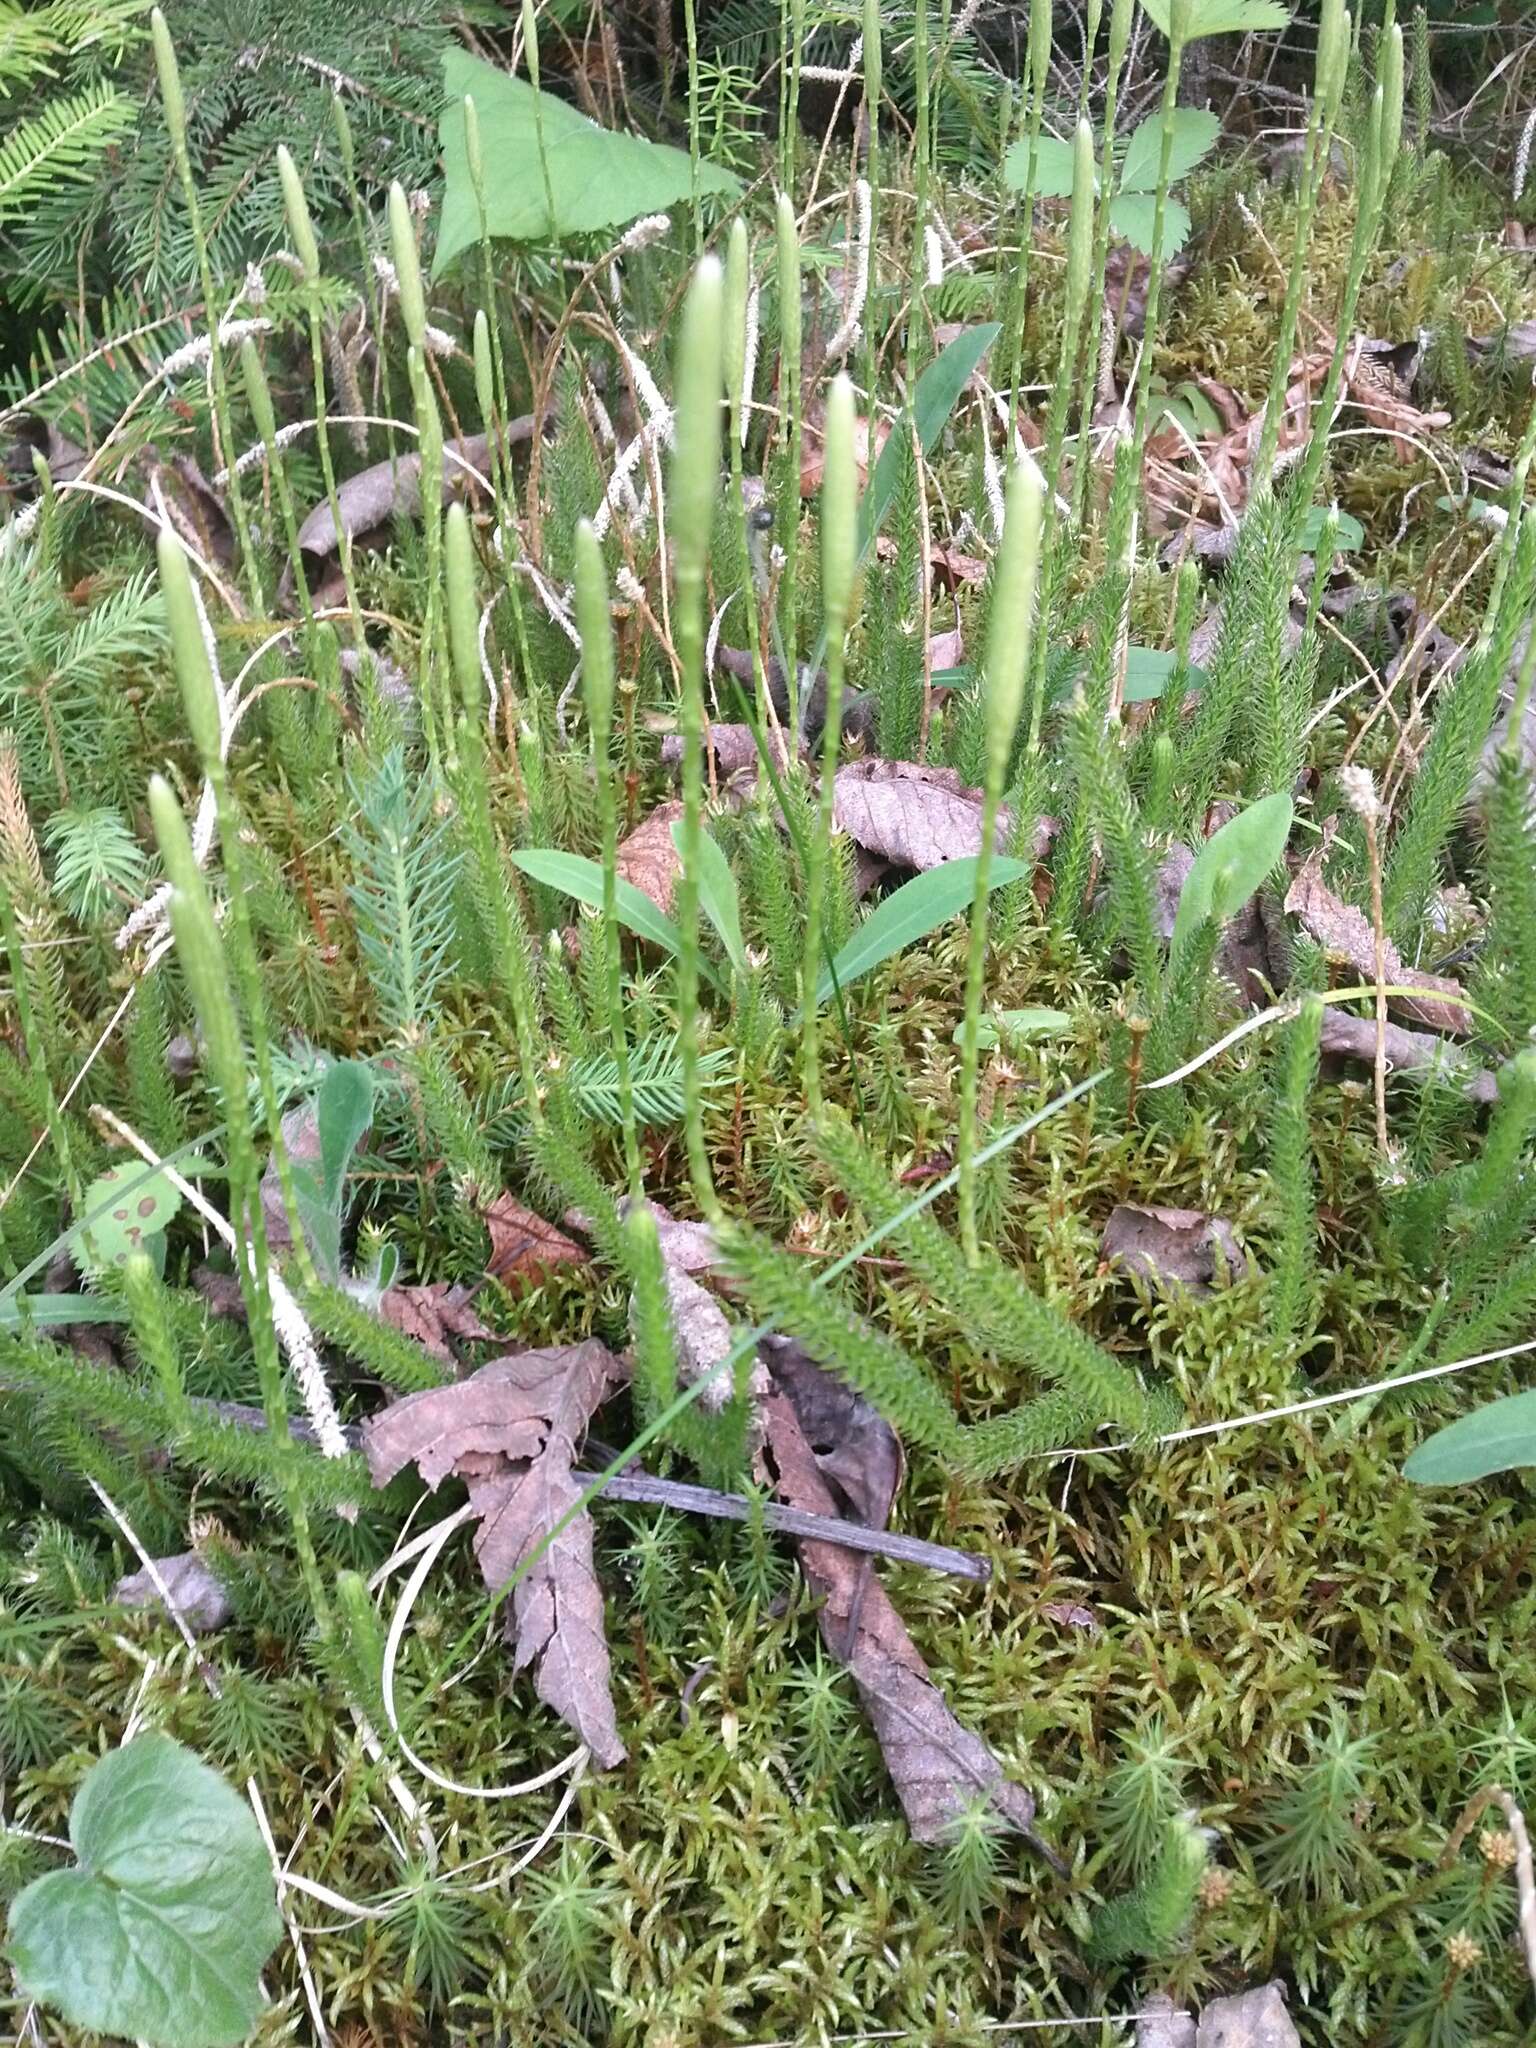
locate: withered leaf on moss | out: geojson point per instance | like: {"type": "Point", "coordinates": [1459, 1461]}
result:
{"type": "Point", "coordinates": [524, 1246]}
{"type": "Point", "coordinates": [938, 1767]}
{"type": "Point", "coordinates": [511, 1432]}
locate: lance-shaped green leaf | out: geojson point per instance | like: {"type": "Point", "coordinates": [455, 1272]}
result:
{"type": "Point", "coordinates": [160, 1931]}
{"type": "Point", "coordinates": [574, 875]}
{"type": "Point", "coordinates": [719, 898]}
{"type": "Point", "coordinates": [1497, 1438]}
{"type": "Point", "coordinates": [1229, 867]}
{"type": "Point", "coordinates": [913, 911]}
{"type": "Point", "coordinates": [935, 398]}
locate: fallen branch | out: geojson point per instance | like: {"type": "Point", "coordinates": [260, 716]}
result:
{"type": "Point", "coordinates": [646, 1490]}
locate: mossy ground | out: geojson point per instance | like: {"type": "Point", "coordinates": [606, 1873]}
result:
{"type": "Point", "coordinates": [746, 1875]}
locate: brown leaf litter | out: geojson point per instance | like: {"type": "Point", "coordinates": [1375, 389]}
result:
{"type": "Point", "coordinates": [1174, 1247]}
{"type": "Point", "coordinates": [938, 1767]}
{"type": "Point", "coordinates": [510, 1432]}
{"type": "Point", "coordinates": [430, 1315]}
{"type": "Point", "coordinates": [524, 1248]}
{"type": "Point", "coordinates": [1346, 936]}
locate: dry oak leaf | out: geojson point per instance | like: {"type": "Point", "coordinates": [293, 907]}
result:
{"type": "Point", "coordinates": [1184, 1246]}
{"type": "Point", "coordinates": [938, 1767]}
{"type": "Point", "coordinates": [510, 1432]}
{"type": "Point", "coordinates": [917, 816]}
{"type": "Point", "coordinates": [524, 1246]}
{"type": "Point", "coordinates": [649, 859]}
{"type": "Point", "coordinates": [431, 1315]}
{"type": "Point", "coordinates": [1345, 935]}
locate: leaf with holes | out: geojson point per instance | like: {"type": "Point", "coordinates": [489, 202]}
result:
{"type": "Point", "coordinates": [126, 1210]}
{"type": "Point", "coordinates": [161, 1929]}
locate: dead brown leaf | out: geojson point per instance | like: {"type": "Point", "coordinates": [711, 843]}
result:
{"type": "Point", "coordinates": [856, 1449]}
{"type": "Point", "coordinates": [917, 816]}
{"type": "Point", "coordinates": [198, 1592]}
{"type": "Point", "coordinates": [510, 1432]}
{"type": "Point", "coordinates": [649, 859]}
{"type": "Point", "coordinates": [813, 461]}
{"type": "Point", "coordinates": [938, 1767]}
{"type": "Point", "coordinates": [431, 1315]}
{"type": "Point", "coordinates": [1184, 1246]}
{"type": "Point", "coordinates": [1346, 937]}
{"type": "Point", "coordinates": [523, 1246]}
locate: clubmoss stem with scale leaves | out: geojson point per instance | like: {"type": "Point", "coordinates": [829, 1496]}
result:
{"type": "Point", "coordinates": [694, 487]}
{"type": "Point", "coordinates": [839, 544]}
{"type": "Point", "coordinates": [1009, 630]}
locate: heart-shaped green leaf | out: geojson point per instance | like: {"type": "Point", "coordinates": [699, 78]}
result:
{"type": "Point", "coordinates": [599, 177]}
{"type": "Point", "coordinates": [1496, 1438]}
{"type": "Point", "coordinates": [911, 913]}
{"type": "Point", "coordinates": [126, 1208]}
{"type": "Point", "coordinates": [160, 1931]}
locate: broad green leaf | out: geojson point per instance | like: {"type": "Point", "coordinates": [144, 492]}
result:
{"type": "Point", "coordinates": [1194, 137]}
{"type": "Point", "coordinates": [1349, 534]}
{"type": "Point", "coordinates": [911, 912]}
{"type": "Point", "coordinates": [1147, 672]}
{"type": "Point", "coordinates": [126, 1208]}
{"type": "Point", "coordinates": [1053, 167]}
{"type": "Point", "coordinates": [999, 1027]}
{"type": "Point", "coordinates": [160, 1931]}
{"type": "Point", "coordinates": [718, 896]}
{"type": "Point", "coordinates": [1221, 17]}
{"type": "Point", "coordinates": [574, 875]}
{"type": "Point", "coordinates": [935, 398]}
{"type": "Point", "coordinates": [1230, 866]}
{"type": "Point", "coordinates": [1187, 404]}
{"type": "Point", "coordinates": [601, 178]}
{"type": "Point", "coordinates": [343, 1111]}
{"type": "Point", "coordinates": [1133, 216]}
{"type": "Point", "coordinates": [49, 1311]}
{"type": "Point", "coordinates": [1496, 1438]}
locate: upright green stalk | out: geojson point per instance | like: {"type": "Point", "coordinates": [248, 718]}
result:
{"type": "Point", "coordinates": [1177, 25]}
{"type": "Point", "coordinates": [874, 85]}
{"type": "Point", "coordinates": [1008, 637]}
{"type": "Point", "coordinates": [530, 30]}
{"type": "Point", "coordinates": [308, 251]}
{"type": "Point", "coordinates": [1078, 280]}
{"type": "Point", "coordinates": [691, 30]}
{"type": "Point", "coordinates": [694, 484]}
{"type": "Point", "coordinates": [839, 548]}
{"type": "Point", "coordinates": [176, 122]}
{"type": "Point", "coordinates": [921, 171]}
{"type": "Point", "coordinates": [1018, 288]}
{"type": "Point", "coordinates": [596, 626]}
{"type": "Point", "coordinates": [199, 694]}
{"type": "Point", "coordinates": [1384, 136]}
{"type": "Point", "coordinates": [259, 399]}
{"type": "Point", "coordinates": [512, 967]}
{"type": "Point", "coordinates": [1119, 42]}
{"type": "Point", "coordinates": [738, 363]}
{"type": "Point", "coordinates": [491, 389]}
{"type": "Point", "coordinates": [790, 323]}
{"type": "Point", "coordinates": [1328, 86]}
{"type": "Point", "coordinates": [201, 954]}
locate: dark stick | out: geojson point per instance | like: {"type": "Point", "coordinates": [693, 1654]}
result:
{"type": "Point", "coordinates": [645, 1489]}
